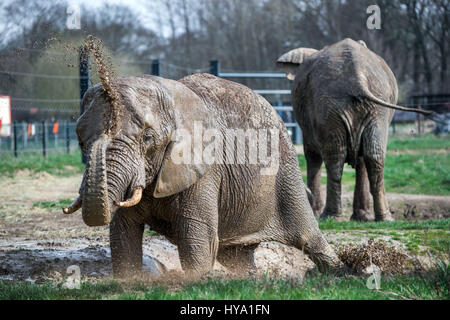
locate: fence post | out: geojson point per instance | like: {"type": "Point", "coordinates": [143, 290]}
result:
{"type": "Point", "coordinates": [15, 138]}
{"type": "Point", "coordinates": [214, 67]}
{"type": "Point", "coordinates": [44, 138]}
{"type": "Point", "coordinates": [67, 137]}
{"type": "Point", "coordinates": [55, 136]}
{"type": "Point", "coordinates": [419, 121]}
{"type": "Point", "coordinates": [298, 133]}
{"type": "Point", "coordinates": [25, 134]}
{"type": "Point", "coordinates": [84, 80]}
{"type": "Point", "coordinates": [155, 67]}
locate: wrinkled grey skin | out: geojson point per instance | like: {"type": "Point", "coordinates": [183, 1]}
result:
{"type": "Point", "coordinates": [343, 98]}
{"type": "Point", "coordinates": [203, 209]}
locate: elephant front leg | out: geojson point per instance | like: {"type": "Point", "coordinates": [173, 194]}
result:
{"type": "Point", "coordinates": [198, 244]}
{"type": "Point", "coordinates": [126, 243]}
{"type": "Point", "coordinates": [314, 170]}
{"type": "Point", "coordinates": [361, 198]}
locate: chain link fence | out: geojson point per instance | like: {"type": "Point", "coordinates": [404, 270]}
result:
{"type": "Point", "coordinates": [38, 137]}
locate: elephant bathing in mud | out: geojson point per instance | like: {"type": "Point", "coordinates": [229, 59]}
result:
{"type": "Point", "coordinates": [344, 98]}
{"type": "Point", "coordinates": [139, 171]}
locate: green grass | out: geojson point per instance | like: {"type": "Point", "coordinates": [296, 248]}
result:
{"type": "Point", "coordinates": [26, 291]}
{"type": "Point", "coordinates": [331, 224]}
{"type": "Point", "coordinates": [406, 173]}
{"type": "Point", "coordinates": [54, 163]}
{"type": "Point", "coordinates": [431, 285]}
{"type": "Point", "coordinates": [438, 241]}
{"type": "Point", "coordinates": [418, 174]}
{"type": "Point", "coordinates": [52, 204]}
{"type": "Point", "coordinates": [426, 141]}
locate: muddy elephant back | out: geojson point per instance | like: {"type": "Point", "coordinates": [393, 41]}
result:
{"type": "Point", "coordinates": [238, 107]}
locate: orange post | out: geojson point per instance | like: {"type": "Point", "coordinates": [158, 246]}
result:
{"type": "Point", "coordinates": [55, 128]}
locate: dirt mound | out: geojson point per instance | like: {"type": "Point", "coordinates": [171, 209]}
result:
{"type": "Point", "coordinates": [389, 259]}
{"type": "Point", "coordinates": [417, 207]}
{"type": "Point", "coordinates": [267, 258]}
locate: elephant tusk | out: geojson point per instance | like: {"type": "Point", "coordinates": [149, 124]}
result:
{"type": "Point", "coordinates": [136, 196]}
{"type": "Point", "coordinates": [74, 206]}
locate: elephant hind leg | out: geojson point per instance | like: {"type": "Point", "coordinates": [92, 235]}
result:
{"type": "Point", "coordinates": [374, 155]}
{"type": "Point", "coordinates": [334, 164]}
{"type": "Point", "coordinates": [361, 198]}
{"type": "Point", "coordinates": [314, 172]}
{"type": "Point", "coordinates": [301, 229]}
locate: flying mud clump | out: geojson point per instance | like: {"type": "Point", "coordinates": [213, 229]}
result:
{"type": "Point", "coordinates": [106, 73]}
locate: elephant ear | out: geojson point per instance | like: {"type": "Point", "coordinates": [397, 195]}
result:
{"type": "Point", "coordinates": [290, 61]}
{"type": "Point", "coordinates": [182, 164]}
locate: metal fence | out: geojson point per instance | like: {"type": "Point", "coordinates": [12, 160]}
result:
{"type": "Point", "coordinates": [59, 136]}
{"type": "Point", "coordinates": [39, 137]}
{"type": "Point", "coordinates": [285, 111]}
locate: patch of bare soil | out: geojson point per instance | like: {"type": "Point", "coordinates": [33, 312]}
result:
{"type": "Point", "coordinates": [27, 188]}
{"type": "Point", "coordinates": [411, 207]}
{"type": "Point", "coordinates": [418, 151]}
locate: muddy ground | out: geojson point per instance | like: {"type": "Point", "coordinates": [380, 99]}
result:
{"type": "Point", "coordinates": [40, 243]}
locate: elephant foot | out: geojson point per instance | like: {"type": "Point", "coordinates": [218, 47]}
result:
{"type": "Point", "coordinates": [127, 275]}
{"type": "Point", "coordinates": [361, 215]}
{"type": "Point", "coordinates": [317, 208]}
{"type": "Point", "coordinates": [328, 214]}
{"type": "Point", "coordinates": [329, 262]}
{"type": "Point", "coordinates": [385, 216]}
{"type": "Point", "coordinates": [317, 212]}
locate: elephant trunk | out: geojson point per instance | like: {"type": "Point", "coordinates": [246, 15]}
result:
{"type": "Point", "coordinates": [96, 205]}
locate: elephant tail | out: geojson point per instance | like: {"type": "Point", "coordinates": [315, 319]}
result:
{"type": "Point", "coordinates": [368, 95]}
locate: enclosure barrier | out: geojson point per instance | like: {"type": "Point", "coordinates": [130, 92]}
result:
{"type": "Point", "coordinates": [286, 112]}
{"type": "Point", "coordinates": [39, 137]}
{"type": "Point", "coordinates": [50, 136]}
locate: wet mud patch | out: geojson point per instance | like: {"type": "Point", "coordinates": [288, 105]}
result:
{"type": "Point", "coordinates": [39, 242]}
{"type": "Point", "coordinates": [48, 260]}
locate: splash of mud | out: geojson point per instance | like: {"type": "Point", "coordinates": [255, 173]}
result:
{"type": "Point", "coordinates": [106, 73]}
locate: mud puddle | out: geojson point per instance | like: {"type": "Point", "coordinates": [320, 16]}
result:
{"type": "Point", "coordinates": [40, 260]}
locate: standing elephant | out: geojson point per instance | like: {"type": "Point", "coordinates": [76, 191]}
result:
{"type": "Point", "coordinates": [201, 206]}
{"type": "Point", "coordinates": [344, 98]}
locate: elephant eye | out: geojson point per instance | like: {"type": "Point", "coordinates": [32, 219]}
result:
{"type": "Point", "coordinates": [148, 137]}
